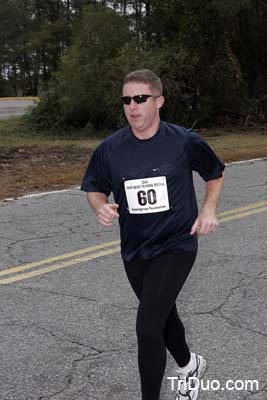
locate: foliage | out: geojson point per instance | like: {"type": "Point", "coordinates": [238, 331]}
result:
{"type": "Point", "coordinates": [85, 86]}
{"type": "Point", "coordinates": [211, 57]}
{"type": "Point", "coordinates": [47, 115]}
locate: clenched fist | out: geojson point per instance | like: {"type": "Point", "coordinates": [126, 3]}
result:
{"type": "Point", "coordinates": [107, 213]}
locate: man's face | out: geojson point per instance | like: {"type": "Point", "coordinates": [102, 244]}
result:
{"type": "Point", "coordinates": [144, 116]}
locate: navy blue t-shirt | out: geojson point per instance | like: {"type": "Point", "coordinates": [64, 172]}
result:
{"type": "Point", "coordinates": [161, 222]}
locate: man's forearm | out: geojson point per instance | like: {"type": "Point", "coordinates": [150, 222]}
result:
{"type": "Point", "coordinates": [213, 192]}
{"type": "Point", "coordinates": [96, 200]}
{"type": "Point", "coordinates": [105, 211]}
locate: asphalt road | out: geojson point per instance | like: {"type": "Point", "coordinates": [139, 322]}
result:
{"type": "Point", "coordinates": [14, 108]}
{"type": "Point", "coordinates": [68, 320]}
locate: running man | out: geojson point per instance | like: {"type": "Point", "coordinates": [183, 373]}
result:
{"type": "Point", "coordinates": [148, 166]}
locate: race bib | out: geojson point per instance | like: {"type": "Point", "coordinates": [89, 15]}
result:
{"type": "Point", "coordinates": [149, 195]}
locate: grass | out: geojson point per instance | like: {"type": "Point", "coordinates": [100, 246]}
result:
{"type": "Point", "coordinates": [34, 161]}
{"type": "Point", "coordinates": [14, 132]}
{"type": "Point", "coordinates": [239, 146]}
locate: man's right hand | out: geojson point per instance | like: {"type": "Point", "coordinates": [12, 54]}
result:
{"type": "Point", "coordinates": [107, 213]}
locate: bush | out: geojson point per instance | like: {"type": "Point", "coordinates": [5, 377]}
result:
{"type": "Point", "coordinates": [47, 115]}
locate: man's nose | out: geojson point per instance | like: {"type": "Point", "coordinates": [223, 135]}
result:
{"type": "Point", "coordinates": [133, 105]}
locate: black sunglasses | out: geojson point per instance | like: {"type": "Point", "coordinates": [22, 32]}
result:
{"type": "Point", "coordinates": [140, 98]}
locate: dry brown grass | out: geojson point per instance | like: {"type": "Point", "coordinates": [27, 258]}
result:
{"type": "Point", "coordinates": [32, 169]}
{"type": "Point", "coordinates": [42, 166]}
{"type": "Point", "coordinates": [236, 147]}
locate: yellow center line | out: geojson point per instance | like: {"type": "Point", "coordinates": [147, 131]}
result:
{"type": "Point", "coordinates": [56, 258]}
{"type": "Point", "coordinates": [235, 210]}
{"type": "Point", "coordinates": [58, 266]}
{"type": "Point", "coordinates": [244, 214]}
{"type": "Point", "coordinates": [20, 98]}
{"type": "Point", "coordinates": [245, 211]}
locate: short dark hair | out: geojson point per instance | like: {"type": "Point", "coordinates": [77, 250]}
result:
{"type": "Point", "coordinates": [145, 76]}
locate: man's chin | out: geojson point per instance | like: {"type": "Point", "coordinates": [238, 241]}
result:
{"type": "Point", "coordinates": [136, 125]}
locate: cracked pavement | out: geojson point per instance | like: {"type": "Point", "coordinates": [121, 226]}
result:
{"type": "Point", "coordinates": [70, 334]}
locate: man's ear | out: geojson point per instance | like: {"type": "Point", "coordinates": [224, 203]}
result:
{"type": "Point", "coordinates": [160, 101]}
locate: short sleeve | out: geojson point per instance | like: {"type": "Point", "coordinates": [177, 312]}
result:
{"type": "Point", "coordinates": [96, 177]}
{"type": "Point", "coordinates": [202, 158]}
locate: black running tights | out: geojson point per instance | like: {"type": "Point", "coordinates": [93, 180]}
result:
{"type": "Point", "coordinates": [157, 283]}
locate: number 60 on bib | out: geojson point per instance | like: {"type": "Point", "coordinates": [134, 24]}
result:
{"type": "Point", "coordinates": [148, 195]}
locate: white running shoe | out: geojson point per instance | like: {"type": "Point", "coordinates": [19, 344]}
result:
{"type": "Point", "coordinates": [188, 384]}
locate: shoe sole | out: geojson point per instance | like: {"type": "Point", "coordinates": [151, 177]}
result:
{"type": "Point", "coordinates": [203, 369]}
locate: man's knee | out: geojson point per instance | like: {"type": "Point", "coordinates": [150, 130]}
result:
{"type": "Point", "coordinates": [148, 331]}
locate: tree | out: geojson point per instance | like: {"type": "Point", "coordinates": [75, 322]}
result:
{"type": "Point", "coordinates": [5, 88]}
{"type": "Point", "coordinates": [33, 34]}
{"type": "Point", "coordinates": [85, 85]}
{"type": "Point", "coordinates": [211, 56]}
